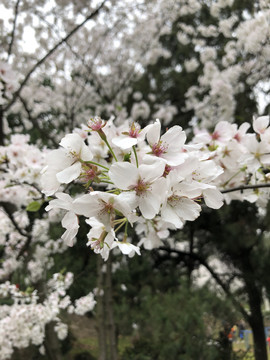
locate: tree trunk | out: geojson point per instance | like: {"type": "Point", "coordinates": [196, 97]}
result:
{"type": "Point", "coordinates": [100, 312]}
{"type": "Point", "coordinates": [257, 324]}
{"type": "Point", "coordinates": [2, 135]}
{"type": "Point", "coordinates": [52, 344]}
{"type": "Point", "coordinates": [112, 343]}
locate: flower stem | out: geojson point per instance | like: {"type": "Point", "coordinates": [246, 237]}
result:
{"type": "Point", "coordinates": [233, 176]}
{"type": "Point", "coordinates": [122, 224]}
{"type": "Point", "coordinates": [94, 163]}
{"type": "Point", "coordinates": [136, 157]}
{"type": "Point", "coordinates": [107, 182]}
{"type": "Point", "coordinates": [111, 150]}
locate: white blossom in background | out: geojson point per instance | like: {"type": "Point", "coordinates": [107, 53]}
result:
{"type": "Point", "coordinates": [23, 323]}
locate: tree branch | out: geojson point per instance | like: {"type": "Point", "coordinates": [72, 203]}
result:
{"type": "Point", "coordinates": [214, 275]}
{"type": "Point", "coordinates": [14, 28]}
{"type": "Point", "coordinates": [49, 53]}
{"type": "Point", "coordinates": [9, 212]}
{"type": "Point", "coordinates": [35, 122]}
{"type": "Point", "coordinates": [245, 187]}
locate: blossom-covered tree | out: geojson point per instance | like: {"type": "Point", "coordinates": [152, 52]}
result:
{"type": "Point", "coordinates": [143, 66]}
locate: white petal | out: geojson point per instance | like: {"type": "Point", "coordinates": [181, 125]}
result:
{"type": "Point", "coordinates": [57, 159]}
{"type": "Point", "coordinates": [86, 153]}
{"type": "Point", "coordinates": [153, 133]}
{"type": "Point", "coordinates": [127, 248]}
{"type": "Point", "coordinates": [260, 124]}
{"type": "Point", "coordinates": [191, 190]}
{"type": "Point", "coordinates": [126, 202]}
{"type": "Point", "coordinates": [187, 209]}
{"type": "Point", "coordinates": [72, 142]}
{"type": "Point", "coordinates": [152, 172]}
{"type": "Point", "coordinates": [213, 198]}
{"type": "Point", "coordinates": [124, 175]}
{"type": "Point", "coordinates": [175, 158]}
{"type": "Point", "coordinates": [87, 205]}
{"type": "Point", "coordinates": [175, 137]}
{"type": "Point", "coordinates": [69, 174]}
{"type": "Point", "coordinates": [170, 216]}
{"type": "Point", "coordinates": [69, 236]}
{"type": "Point", "coordinates": [149, 205]}
{"type": "Point", "coordinates": [49, 182]}
{"type": "Point", "coordinates": [124, 141]}
{"type": "Point", "coordinates": [70, 220]}
{"type": "Point", "coordinates": [63, 201]}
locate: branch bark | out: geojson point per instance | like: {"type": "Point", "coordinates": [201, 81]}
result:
{"type": "Point", "coordinates": [112, 343]}
{"type": "Point", "coordinates": [246, 187]}
{"type": "Point", "coordinates": [13, 28]}
{"type": "Point", "coordinates": [100, 315]}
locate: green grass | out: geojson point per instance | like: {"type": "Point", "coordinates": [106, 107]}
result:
{"type": "Point", "coordinates": [239, 348]}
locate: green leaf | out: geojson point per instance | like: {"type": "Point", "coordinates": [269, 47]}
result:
{"type": "Point", "coordinates": [33, 206]}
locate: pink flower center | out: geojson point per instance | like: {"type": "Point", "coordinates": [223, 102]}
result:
{"type": "Point", "coordinates": [237, 137]}
{"type": "Point", "coordinates": [134, 130]}
{"type": "Point", "coordinates": [91, 174]}
{"type": "Point", "coordinates": [108, 208]}
{"type": "Point", "coordinates": [141, 187]}
{"type": "Point", "coordinates": [215, 135]}
{"type": "Point", "coordinates": [158, 149]}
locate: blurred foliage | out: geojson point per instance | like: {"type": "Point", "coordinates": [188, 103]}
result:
{"type": "Point", "coordinates": [181, 324]}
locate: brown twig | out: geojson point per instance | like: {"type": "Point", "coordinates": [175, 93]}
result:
{"type": "Point", "coordinates": [14, 28]}
{"type": "Point", "coordinates": [245, 187]}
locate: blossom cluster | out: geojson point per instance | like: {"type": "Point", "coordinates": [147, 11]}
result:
{"type": "Point", "coordinates": [137, 177]}
{"type": "Point", "coordinates": [140, 177]}
{"type": "Point", "coordinates": [27, 247]}
{"type": "Point", "coordinates": [244, 157]}
{"type": "Point", "coordinates": [24, 322]}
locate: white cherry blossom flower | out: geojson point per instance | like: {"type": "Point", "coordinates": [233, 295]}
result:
{"type": "Point", "coordinates": [102, 206]}
{"type": "Point", "coordinates": [260, 124]}
{"type": "Point", "coordinates": [99, 239]}
{"type": "Point", "coordinates": [145, 181]}
{"type": "Point", "coordinates": [168, 146]}
{"type": "Point", "coordinates": [64, 165]}
{"type": "Point", "coordinates": [70, 220]}
{"type": "Point", "coordinates": [131, 137]}
{"type": "Point", "coordinates": [127, 248]}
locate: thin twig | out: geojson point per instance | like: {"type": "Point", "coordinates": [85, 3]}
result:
{"type": "Point", "coordinates": [246, 187]}
{"type": "Point", "coordinates": [14, 28]}
{"type": "Point", "coordinates": [9, 213]}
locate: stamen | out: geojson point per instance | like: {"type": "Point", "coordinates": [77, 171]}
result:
{"type": "Point", "coordinates": [158, 149]}
{"type": "Point", "coordinates": [141, 187]}
{"type": "Point", "coordinates": [134, 130]}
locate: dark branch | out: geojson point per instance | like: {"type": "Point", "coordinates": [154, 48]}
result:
{"type": "Point", "coordinates": [14, 28]}
{"type": "Point", "coordinates": [214, 275]}
{"type": "Point", "coordinates": [8, 208]}
{"type": "Point", "coordinates": [245, 187]}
